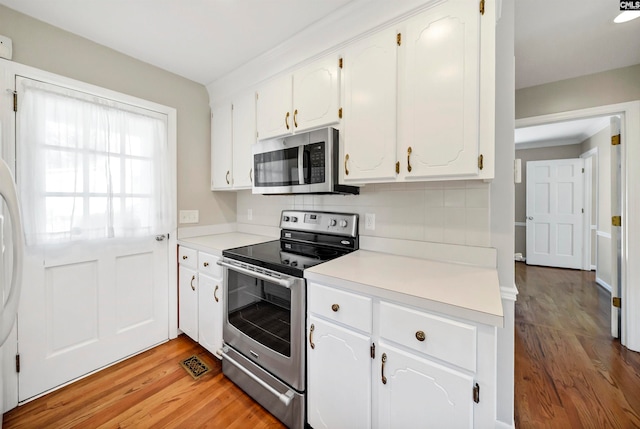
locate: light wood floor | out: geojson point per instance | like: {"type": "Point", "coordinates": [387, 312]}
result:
{"type": "Point", "coordinates": [150, 390]}
{"type": "Point", "coordinates": [569, 372]}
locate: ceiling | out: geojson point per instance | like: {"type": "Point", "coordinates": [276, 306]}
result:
{"type": "Point", "coordinates": [208, 39]}
{"type": "Point", "coordinates": [559, 133]}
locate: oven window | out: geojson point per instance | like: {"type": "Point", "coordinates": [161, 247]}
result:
{"type": "Point", "coordinates": [260, 310]}
{"type": "Point", "coordinates": [277, 168]}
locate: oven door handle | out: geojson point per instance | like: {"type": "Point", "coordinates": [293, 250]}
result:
{"type": "Point", "coordinates": [282, 282]}
{"type": "Point", "coordinates": [285, 397]}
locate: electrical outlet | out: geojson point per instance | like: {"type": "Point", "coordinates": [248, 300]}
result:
{"type": "Point", "coordinates": [189, 216]}
{"type": "Point", "coordinates": [249, 214]}
{"type": "Point", "coordinates": [370, 221]}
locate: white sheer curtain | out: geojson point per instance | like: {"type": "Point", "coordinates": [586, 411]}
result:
{"type": "Point", "coordinates": [88, 167]}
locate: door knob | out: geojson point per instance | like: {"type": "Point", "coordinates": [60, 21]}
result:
{"type": "Point", "coordinates": [160, 237]}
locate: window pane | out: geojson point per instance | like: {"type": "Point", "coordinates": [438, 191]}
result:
{"type": "Point", "coordinates": [104, 173]}
{"type": "Point", "coordinates": [138, 176]}
{"type": "Point", "coordinates": [61, 174]}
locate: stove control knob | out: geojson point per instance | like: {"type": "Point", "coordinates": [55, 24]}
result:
{"type": "Point", "coordinates": [294, 219]}
{"type": "Point", "coordinates": [286, 218]}
{"type": "Point", "coordinates": [332, 222]}
{"type": "Point", "coordinates": [343, 223]}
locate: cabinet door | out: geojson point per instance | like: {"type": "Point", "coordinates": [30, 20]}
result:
{"type": "Point", "coordinates": [339, 376]}
{"type": "Point", "coordinates": [188, 301]}
{"type": "Point", "coordinates": [210, 313]}
{"type": "Point", "coordinates": [439, 92]}
{"type": "Point", "coordinates": [316, 94]}
{"type": "Point", "coordinates": [221, 148]}
{"type": "Point", "coordinates": [274, 116]}
{"type": "Point", "coordinates": [244, 135]}
{"type": "Point", "coordinates": [369, 129]}
{"type": "Point", "coordinates": [421, 393]}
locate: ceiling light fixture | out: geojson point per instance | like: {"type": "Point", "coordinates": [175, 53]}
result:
{"type": "Point", "coordinates": [627, 15]}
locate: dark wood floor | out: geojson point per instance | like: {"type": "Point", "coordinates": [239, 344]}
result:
{"type": "Point", "coordinates": [569, 372]}
{"type": "Point", "coordinates": [150, 390]}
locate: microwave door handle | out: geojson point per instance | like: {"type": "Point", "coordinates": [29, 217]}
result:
{"type": "Point", "coordinates": [306, 162]}
{"type": "Point", "coordinates": [301, 165]}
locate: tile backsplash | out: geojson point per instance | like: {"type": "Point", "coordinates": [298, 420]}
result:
{"type": "Point", "coordinates": [454, 212]}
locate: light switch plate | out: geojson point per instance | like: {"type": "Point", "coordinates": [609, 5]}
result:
{"type": "Point", "coordinates": [189, 216]}
{"type": "Point", "coordinates": [6, 47]}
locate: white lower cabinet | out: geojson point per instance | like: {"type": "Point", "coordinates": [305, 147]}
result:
{"type": "Point", "coordinates": [210, 313]}
{"type": "Point", "coordinates": [416, 392]}
{"type": "Point", "coordinates": [200, 283]}
{"type": "Point", "coordinates": [335, 355]}
{"type": "Point", "coordinates": [376, 363]}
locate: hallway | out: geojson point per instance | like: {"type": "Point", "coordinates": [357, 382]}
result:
{"type": "Point", "coordinates": [569, 372]}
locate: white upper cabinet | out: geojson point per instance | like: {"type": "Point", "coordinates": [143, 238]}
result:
{"type": "Point", "coordinates": [369, 127]}
{"type": "Point", "coordinates": [233, 131]}
{"type": "Point", "coordinates": [439, 91]}
{"type": "Point", "coordinates": [273, 108]}
{"type": "Point", "coordinates": [244, 135]}
{"type": "Point", "coordinates": [307, 99]}
{"type": "Point", "coordinates": [221, 148]}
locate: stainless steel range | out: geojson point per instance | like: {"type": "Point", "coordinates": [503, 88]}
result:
{"type": "Point", "coordinates": [265, 308]}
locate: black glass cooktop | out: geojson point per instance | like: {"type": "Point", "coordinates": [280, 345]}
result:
{"type": "Point", "coordinates": [288, 257]}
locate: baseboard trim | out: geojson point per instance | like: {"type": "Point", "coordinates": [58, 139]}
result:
{"type": "Point", "coordinates": [604, 284]}
{"type": "Point", "coordinates": [502, 425]}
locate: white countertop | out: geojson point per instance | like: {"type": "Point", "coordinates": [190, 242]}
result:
{"type": "Point", "coordinates": [216, 243]}
{"type": "Point", "coordinates": [460, 290]}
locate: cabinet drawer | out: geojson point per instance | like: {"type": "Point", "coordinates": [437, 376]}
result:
{"type": "Point", "coordinates": [188, 257]}
{"type": "Point", "coordinates": [340, 306]}
{"type": "Point", "coordinates": [443, 338]}
{"type": "Point", "coordinates": [207, 265]}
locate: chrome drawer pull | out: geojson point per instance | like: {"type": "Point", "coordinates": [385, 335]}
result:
{"type": "Point", "coordinates": [192, 279]}
{"type": "Point", "coordinates": [420, 336]}
{"type": "Point", "coordinates": [215, 293]}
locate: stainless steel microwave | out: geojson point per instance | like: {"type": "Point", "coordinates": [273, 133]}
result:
{"type": "Point", "coordinates": [305, 163]}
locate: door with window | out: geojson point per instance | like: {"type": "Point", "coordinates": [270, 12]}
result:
{"type": "Point", "coordinates": [95, 181]}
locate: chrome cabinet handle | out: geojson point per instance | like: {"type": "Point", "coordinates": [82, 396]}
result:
{"type": "Point", "coordinates": [335, 307]}
{"type": "Point", "coordinates": [192, 279]}
{"type": "Point", "coordinates": [251, 175]}
{"type": "Point", "coordinates": [295, 118]}
{"type": "Point", "coordinates": [384, 360]}
{"type": "Point", "coordinates": [226, 177]}
{"type": "Point", "coordinates": [346, 169]}
{"type": "Point", "coordinates": [286, 120]}
{"type": "Point", "coordinates": [311, 329]}
{"type": "Point", "coordinates": [420, 336]}
{"type": "Point", "coordinates": [409, 159]}
{"type": "Point", "coordinates": [215, 293]}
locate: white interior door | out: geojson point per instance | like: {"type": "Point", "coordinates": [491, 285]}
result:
{"type": "Point", "coordinates": [616, 231]}
{"type": "Point", "coordinates": [91, 172]}
{"type": "Point", "coordinates": [555, 213]}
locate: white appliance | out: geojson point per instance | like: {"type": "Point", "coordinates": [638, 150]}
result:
{"type": "Point", "coordinates": [9, 292]}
